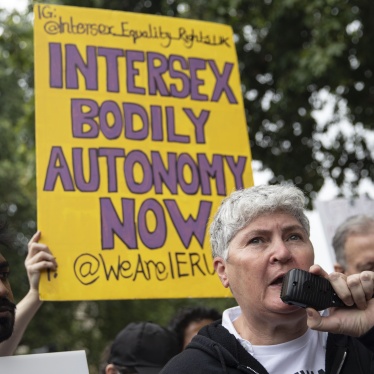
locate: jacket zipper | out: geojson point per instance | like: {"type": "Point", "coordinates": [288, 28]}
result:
{"type": "Point", "coordinates": [249, 368]}
{"type": "Point", "coordinates": [338, 370]}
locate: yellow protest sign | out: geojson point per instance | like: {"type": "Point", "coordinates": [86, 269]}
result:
{"type": "Point", "coordinates": [140, 133]}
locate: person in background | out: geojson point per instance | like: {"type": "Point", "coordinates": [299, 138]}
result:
{"type": "Point", "coordinates": [141, 347]}
{"type": "Point", "coordinates": [257, 235]}
{"type": "Point", "coordinates": [39, 258]}
{"type": "Point", "coordinates": [183, 325]}
{"type": "Point", "coordinates": [189, 320]}
{"type": "Point", "coordinates": [7, 306]}
{"type": "Point", "coordinates": [353, 244]}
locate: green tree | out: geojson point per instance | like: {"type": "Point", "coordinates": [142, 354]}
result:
{"type": "Point", "coordinates": [290, 53]}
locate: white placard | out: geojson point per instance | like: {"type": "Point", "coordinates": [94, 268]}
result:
{"type": "Point", "coordinates": [335, 212]}
{"type": "Point", "coordinates": [45, 363]}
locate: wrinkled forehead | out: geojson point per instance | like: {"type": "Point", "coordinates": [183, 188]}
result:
{"type": "Point", "coordinates": [270, 212]}
{"type": "Point", "coordinates": [267, 217]}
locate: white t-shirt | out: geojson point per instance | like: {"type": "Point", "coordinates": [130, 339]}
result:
{"type": "Point", "coordinates": [305, 354]}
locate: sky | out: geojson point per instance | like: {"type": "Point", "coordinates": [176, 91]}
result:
{"type": "Point", "coordinates": [19, 5]}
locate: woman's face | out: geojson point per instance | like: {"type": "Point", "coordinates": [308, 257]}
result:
{"type": "Point", "coordinates": [258, 258]}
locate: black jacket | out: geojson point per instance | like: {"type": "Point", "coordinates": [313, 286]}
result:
{"type": "Point", "coordinates": [215, 351]}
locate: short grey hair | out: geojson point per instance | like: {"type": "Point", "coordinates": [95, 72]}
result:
{"type": "Point", "coordinates": [243, 206]}
{"type": "Point", "coordinates": [359, 224]}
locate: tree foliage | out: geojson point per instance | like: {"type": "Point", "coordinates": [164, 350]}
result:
{"type": "Point", "coordinates": [294, 58]}
{"type": "Point", "coordinates": [17, 156]}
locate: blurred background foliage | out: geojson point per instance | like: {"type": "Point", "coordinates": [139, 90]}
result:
{"type": "Point", "coordinates": [296, 59]}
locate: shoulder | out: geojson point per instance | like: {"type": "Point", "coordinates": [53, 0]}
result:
{"type": "Point", "coordinates": [192, 360]}
{"type": "Point", "coordinates": [368, 339]}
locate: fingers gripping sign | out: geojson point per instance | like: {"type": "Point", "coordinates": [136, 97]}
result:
{"type": "Point", "coordinates": [356, 291]}
{"type": "Point", "coordinates": [39, 258]}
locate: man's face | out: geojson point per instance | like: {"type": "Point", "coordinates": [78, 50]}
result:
{"type": "Point", "coordinates": [7, 306]}
{"type": "Point", "coordinates": [359, 253]}
{"type": "Point", "coordinates": [258, 258]}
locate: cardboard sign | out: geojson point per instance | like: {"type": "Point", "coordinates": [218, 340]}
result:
{"type": "Point", "coordinates": [140, 133]}
{"type": "Point", "coordinates": [46, 363]}
{"type": "Point", "coordinates": [334, 212]}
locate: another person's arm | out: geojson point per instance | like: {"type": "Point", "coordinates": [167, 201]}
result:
{"type": "Point", "coordinates": [39, 258]}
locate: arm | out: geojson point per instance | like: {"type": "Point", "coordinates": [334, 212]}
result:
{"type": "Point", "coordinates": [39, 258]}
{"type": "Point", "coordinates": [356, 291]}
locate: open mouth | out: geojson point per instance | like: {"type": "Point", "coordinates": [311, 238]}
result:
{"type": "Point", "coordinates": [277, 281]}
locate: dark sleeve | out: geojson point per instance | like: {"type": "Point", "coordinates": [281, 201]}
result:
{"type": "Point", "coordinates": [181, 363]}
{"type": "Point", "coordinates": [368, 339]}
